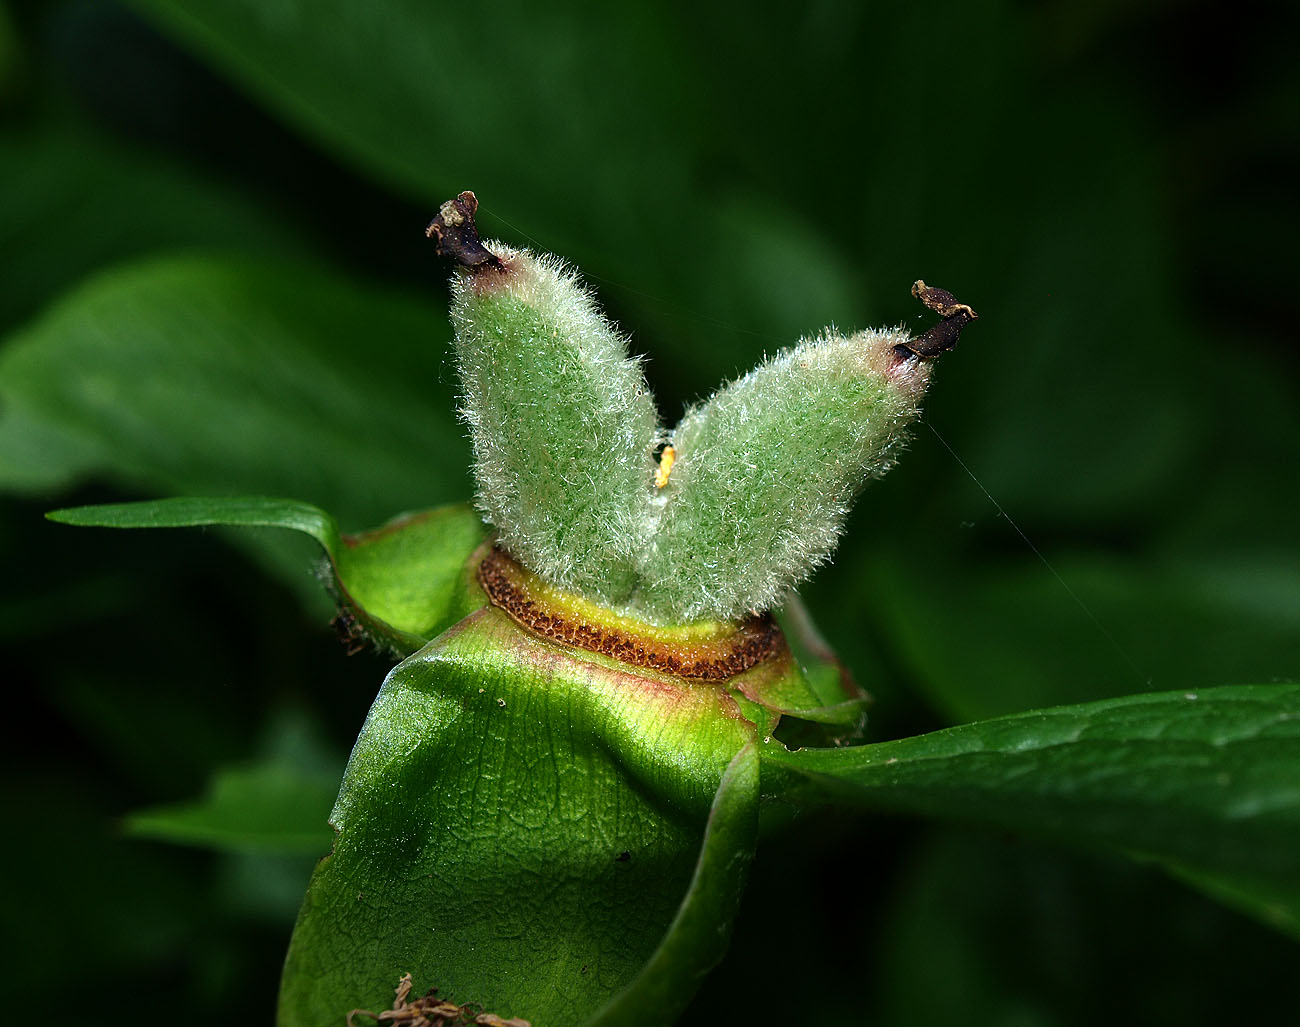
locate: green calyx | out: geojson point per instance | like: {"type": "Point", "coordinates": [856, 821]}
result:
{"type": "Point", "coordinates": [535, 782]}
{"type": "Point", "coordinates": [517, 825]}
{"type": "Point", "coordinates": [750, 490]}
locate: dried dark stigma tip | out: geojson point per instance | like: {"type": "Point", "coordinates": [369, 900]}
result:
{"type": "Point", "coordinates": [456, 234]}
{"type": "Point", "coordinates": [943, 336]}
{"type": "Point", "coordinates": [941, 301]}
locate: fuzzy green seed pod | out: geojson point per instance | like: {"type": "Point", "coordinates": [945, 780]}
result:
{"type": "Point", "coordinates": [750, 496]}
{"type": "Point", "coordinates": [562, 422]}
{"type": "Point", "coordinates": [767, 469]}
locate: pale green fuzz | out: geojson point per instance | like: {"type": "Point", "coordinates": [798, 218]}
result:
{"type": "Point", "coordinates": [767, 470]}
{"type": "Point", "coordinates": [563, 425]}
{"type": "Point", "coordinates": [564, 431]}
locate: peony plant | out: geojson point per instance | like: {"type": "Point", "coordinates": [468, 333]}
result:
{"type": "Point", "coordinates": [607, 683]}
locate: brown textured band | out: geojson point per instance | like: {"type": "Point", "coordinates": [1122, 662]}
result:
{"type": "Point", "coordinates": [715, 659]}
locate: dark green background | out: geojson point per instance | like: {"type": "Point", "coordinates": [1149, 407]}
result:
{"type": "Point", "coordinates": [1111, 185]}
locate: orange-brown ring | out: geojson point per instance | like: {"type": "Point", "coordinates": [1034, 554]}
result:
{"type": "Point", "coordinates": [753, 640]}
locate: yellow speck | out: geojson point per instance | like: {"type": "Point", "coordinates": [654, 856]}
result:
{"type": "Point", "coordinates": [501, 703]}
{"type": "Point", "coordinates": [666, 460]}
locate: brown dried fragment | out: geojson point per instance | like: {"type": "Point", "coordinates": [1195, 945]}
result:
{"type": "Point", "coordinates": [350, 631]}
{"type": "Point", "coordinates": [456, 234]}
{"type": "Point", "coordinates": [431, 1011]}
{"type": "Point", "coordinates": [943, 336]}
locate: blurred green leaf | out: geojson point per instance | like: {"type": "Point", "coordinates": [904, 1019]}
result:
{"type": "Point", "coordinates": [984, 639]}
{"type": "Point", "coordinates": [517, 827]}
{"type": "Point", "coordinates": [1206, 781]}
{"type": "Point", "coordinates": [75, 200]}
{"type": "Point", "coordinates": [278, 804]}
{"type": "Point", "coordinates": [985, 929]}
{"type": "Point", "coordinates": [269, 807]}
{"type": "Point", "coordinates": [399, 583]}
{"type": "Point", "coordinates": [266, 886]}
{"type": "Point", "coordinates": [205, 375]}
{"type": "Point", "coordinates": [432, 104]}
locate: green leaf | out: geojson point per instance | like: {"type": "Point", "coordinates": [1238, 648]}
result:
{"type": "Point", "coordinates": [400, 584]}
{"type": "Point", "coordinates": [516, 827]}
{"type": "Point", "coordinates": [698, 937]}
{"type": "Point", "coordinates": [432, 105]}
{"type": "Point", "coordinates": [1206, 782]}
{"type": "Point", "coordinates": [62, 175]}
{"type": "Point", "coordinates": [193, 511]}
{"type": "Point", "coordinates": [419, 98]}
{"type": "Point", "coordinates": [217, 376]}
{"type": "Point", "coordinates": [277, 804]}
{"type": "Point", "coordinates": [267, 819]}
{"type": "Point", "coordinates": [268, 807]}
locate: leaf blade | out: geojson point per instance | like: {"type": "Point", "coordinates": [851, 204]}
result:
{"type": "Point", "coordinates": [198, 511]}
{"type": "Point", "coordinates": [265, 808]}
{"type": "Point", "coordinates": [1208, 781]}
{"type": "Point", "coordinates": [276, 805]}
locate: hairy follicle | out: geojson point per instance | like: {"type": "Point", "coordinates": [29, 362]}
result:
{"type": "Point", "coordinates": [574, 472]}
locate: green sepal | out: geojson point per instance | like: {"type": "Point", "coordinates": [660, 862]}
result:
{"type": "Point", "coordinates": [404, 581]}
{"type": "Point", "coordinates": [829, 693]}
{"type": "Point", "coordinates": [517, 826]}
{"type": "Point", "coordinates": [699, 934]}
{"type": "Point", "coordinates": [397, 586]}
